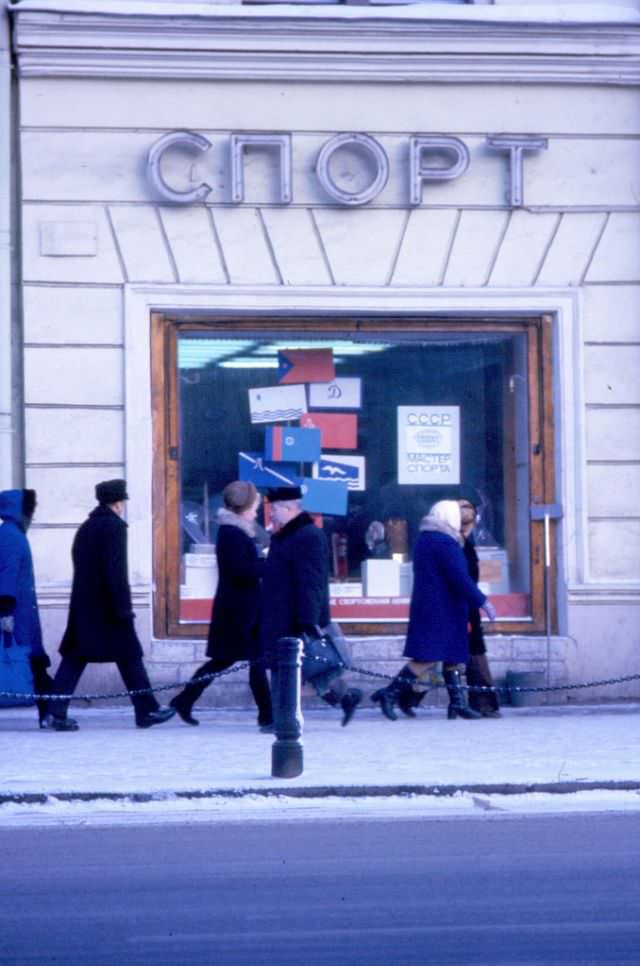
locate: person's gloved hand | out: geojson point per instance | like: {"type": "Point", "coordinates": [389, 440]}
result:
{"type": "Point", "coordinates": [489, 610]}
{"type": "Point", "coordinates": [7, 624]}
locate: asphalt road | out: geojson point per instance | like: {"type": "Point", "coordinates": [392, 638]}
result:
{"type": "Point", "coordinates": [499, 890]}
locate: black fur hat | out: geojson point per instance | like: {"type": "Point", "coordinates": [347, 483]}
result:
{"type": "Point", "coordinates": [283, 493]}
{"type": "Point", "coordinates": [111, 491]}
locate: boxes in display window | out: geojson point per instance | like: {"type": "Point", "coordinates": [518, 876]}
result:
{"type": "Point", "coordinates": [387, 578]}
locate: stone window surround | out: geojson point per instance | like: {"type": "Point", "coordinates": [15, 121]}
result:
{"type": "Point", "coordinates": [562, 304]}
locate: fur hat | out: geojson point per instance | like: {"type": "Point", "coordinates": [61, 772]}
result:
{"type": "Point", "coordinates": [111, 491]}
{"type": "Point", "coordinates": [281, 494]}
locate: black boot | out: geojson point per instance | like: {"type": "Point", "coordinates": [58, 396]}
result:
{"type": "Point", "coordinates": [52, 722]}
{"type": "Point", "coordinates": [458, 707]}
{"type": "Point", "coordinates": [349, 702]}
{"type": "Point", "coordinates": [410, 699]}
{"type": "Point", "coordinates": [183, 703]}
{"type": "Point", "coordinates": [259, 684]}
{"type": "Point", "coordinates": [388, 697]}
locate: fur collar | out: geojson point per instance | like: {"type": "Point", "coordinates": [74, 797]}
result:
{"type": "Point", "coordinates": [301, 520]}
{"type": "Point", "coordinates": [433, 525]}
{"type": "Point", "coordinates": [230, 519]}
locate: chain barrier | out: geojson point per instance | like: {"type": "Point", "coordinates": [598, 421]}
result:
{"type": "Point", "coordinates": [125, 694]}
{"type": "Point", "coordinates": [432, 684]}
{"type": "Point", "coordinates": [505, 688]}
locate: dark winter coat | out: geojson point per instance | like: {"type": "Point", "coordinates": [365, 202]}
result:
{"type": "Point", "coordinates": [100, 624]}
{"type": "Point", "coordinates": [17, 579]}
{"type": "Point", "coordinates": [476, 635]}
{"type": "Point", "coordinates": [443, 593]}
{"type": "Point", "coordinates": [295, 586]}
{"type": "Point", "coordinates": [233, 632]}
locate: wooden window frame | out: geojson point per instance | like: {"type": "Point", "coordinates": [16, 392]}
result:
{"type": "Point", "coordinates": [166, 458]}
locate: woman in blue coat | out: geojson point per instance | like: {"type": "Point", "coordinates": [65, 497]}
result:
{"type": "Point", "coordinates": [443, 594]}
{"type": "Point", "coordinates": [18, 605]}
{"type": "Point", "coordinates": [233, 632]}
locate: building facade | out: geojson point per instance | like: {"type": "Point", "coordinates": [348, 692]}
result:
{"type": "Point", "coordinates": [390, 251]}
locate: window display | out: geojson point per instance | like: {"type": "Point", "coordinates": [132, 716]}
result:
{"type": "Point", "coordinates": [375, 426]}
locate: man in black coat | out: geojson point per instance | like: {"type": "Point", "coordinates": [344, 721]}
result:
{"type": "Point", "coordinates": [100, 623]}
{"type": "Point", "coordinates": [295, 589]}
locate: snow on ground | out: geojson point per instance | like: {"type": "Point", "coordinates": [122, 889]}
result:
{"type": "Point", "coordinates": [254, 808]}
{"type": "Point", "coordinates": [229, 760]}
{"type": "Point", "coordinates": [554, 744]}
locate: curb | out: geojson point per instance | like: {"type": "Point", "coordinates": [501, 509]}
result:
{"type": "Point", "coordinates": [321, 791]}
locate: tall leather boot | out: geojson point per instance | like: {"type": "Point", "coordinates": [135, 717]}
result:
{"type": "Point", "coordinates": [348, 702]}
{"type": "Point", "coordinates": [409, 698]}
{"type": "Point", "coordinates": [458, 707]}
{"type": "Point", "coordinates": [388, 697]}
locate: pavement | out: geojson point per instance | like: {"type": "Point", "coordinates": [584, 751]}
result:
{"type": "Point", "coordinates": [557, 749]}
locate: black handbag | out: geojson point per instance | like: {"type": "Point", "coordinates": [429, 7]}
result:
{"type": "Point", "coordinates": [324, 652]}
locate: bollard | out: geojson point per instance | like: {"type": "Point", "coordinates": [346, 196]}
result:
{"type": "Point", "coordinates": [286, 751]}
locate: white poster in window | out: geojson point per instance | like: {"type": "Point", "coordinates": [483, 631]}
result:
{"type": "Point", "coordinates": [273, 404]}
{"type": "Point", "coordinates": [343, 393]}
{"type": "Point", "coordinates": [429, 445]}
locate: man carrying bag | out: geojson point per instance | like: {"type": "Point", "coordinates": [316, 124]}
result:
{"type": "Point", "coordinates": [295, 598]}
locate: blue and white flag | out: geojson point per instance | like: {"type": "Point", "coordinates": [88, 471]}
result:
{"type": "Point", "coordinates": [336, 466]}
{"type": "Point", "coordinates": [277, 404]}
{"type": "Point", "coordinates": [253, 467]}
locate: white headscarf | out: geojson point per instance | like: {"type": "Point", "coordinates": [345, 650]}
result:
{"type": "Point", "coordinates": [448, 511]}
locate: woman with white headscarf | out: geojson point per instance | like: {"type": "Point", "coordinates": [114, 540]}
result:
{"type": "Point", "coordinates": [443, 593]}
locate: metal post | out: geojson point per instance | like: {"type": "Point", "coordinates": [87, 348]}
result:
{"type": "Point", "coordinates": [286, 751]}
{"type": "Point", "coordinates": [547, 592]}
{"type": "Point", "coordinates": [547, 512]}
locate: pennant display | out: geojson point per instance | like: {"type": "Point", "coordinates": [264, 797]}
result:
{"type": "Point", "coordinates": [305, 365]}
{"type": "Point", "coordinates": [337, 430]}
{"type": "Point", "coordinates": [339, 394]}
{"type": "Point", "coordinates": [276, 404]}
{"type": "Point", "coordinates": [253, 468]}
{"type": "Point", "coordinates": [324, 496]}
{"type": "Point", "coordinates": [287, 443]}
{"type": "Point", "coordinates": [334, 467]}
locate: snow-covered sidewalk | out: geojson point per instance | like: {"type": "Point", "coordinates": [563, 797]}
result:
{"type": "Point", "coordinates": [555, 748]}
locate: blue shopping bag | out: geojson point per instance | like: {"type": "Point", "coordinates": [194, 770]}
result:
{"type": "Point", "coordinates": [15, 673]}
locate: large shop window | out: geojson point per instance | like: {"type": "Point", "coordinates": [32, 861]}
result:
{"type": "Point", "coordinates": [376, 420]}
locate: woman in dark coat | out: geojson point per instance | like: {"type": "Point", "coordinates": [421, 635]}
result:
{"type": "Point", "coordinates": [478, 673]}
{"type": "Point", "coordinates": [233, 632]}
{"type": "Point", "coordinates": [443, 593]}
